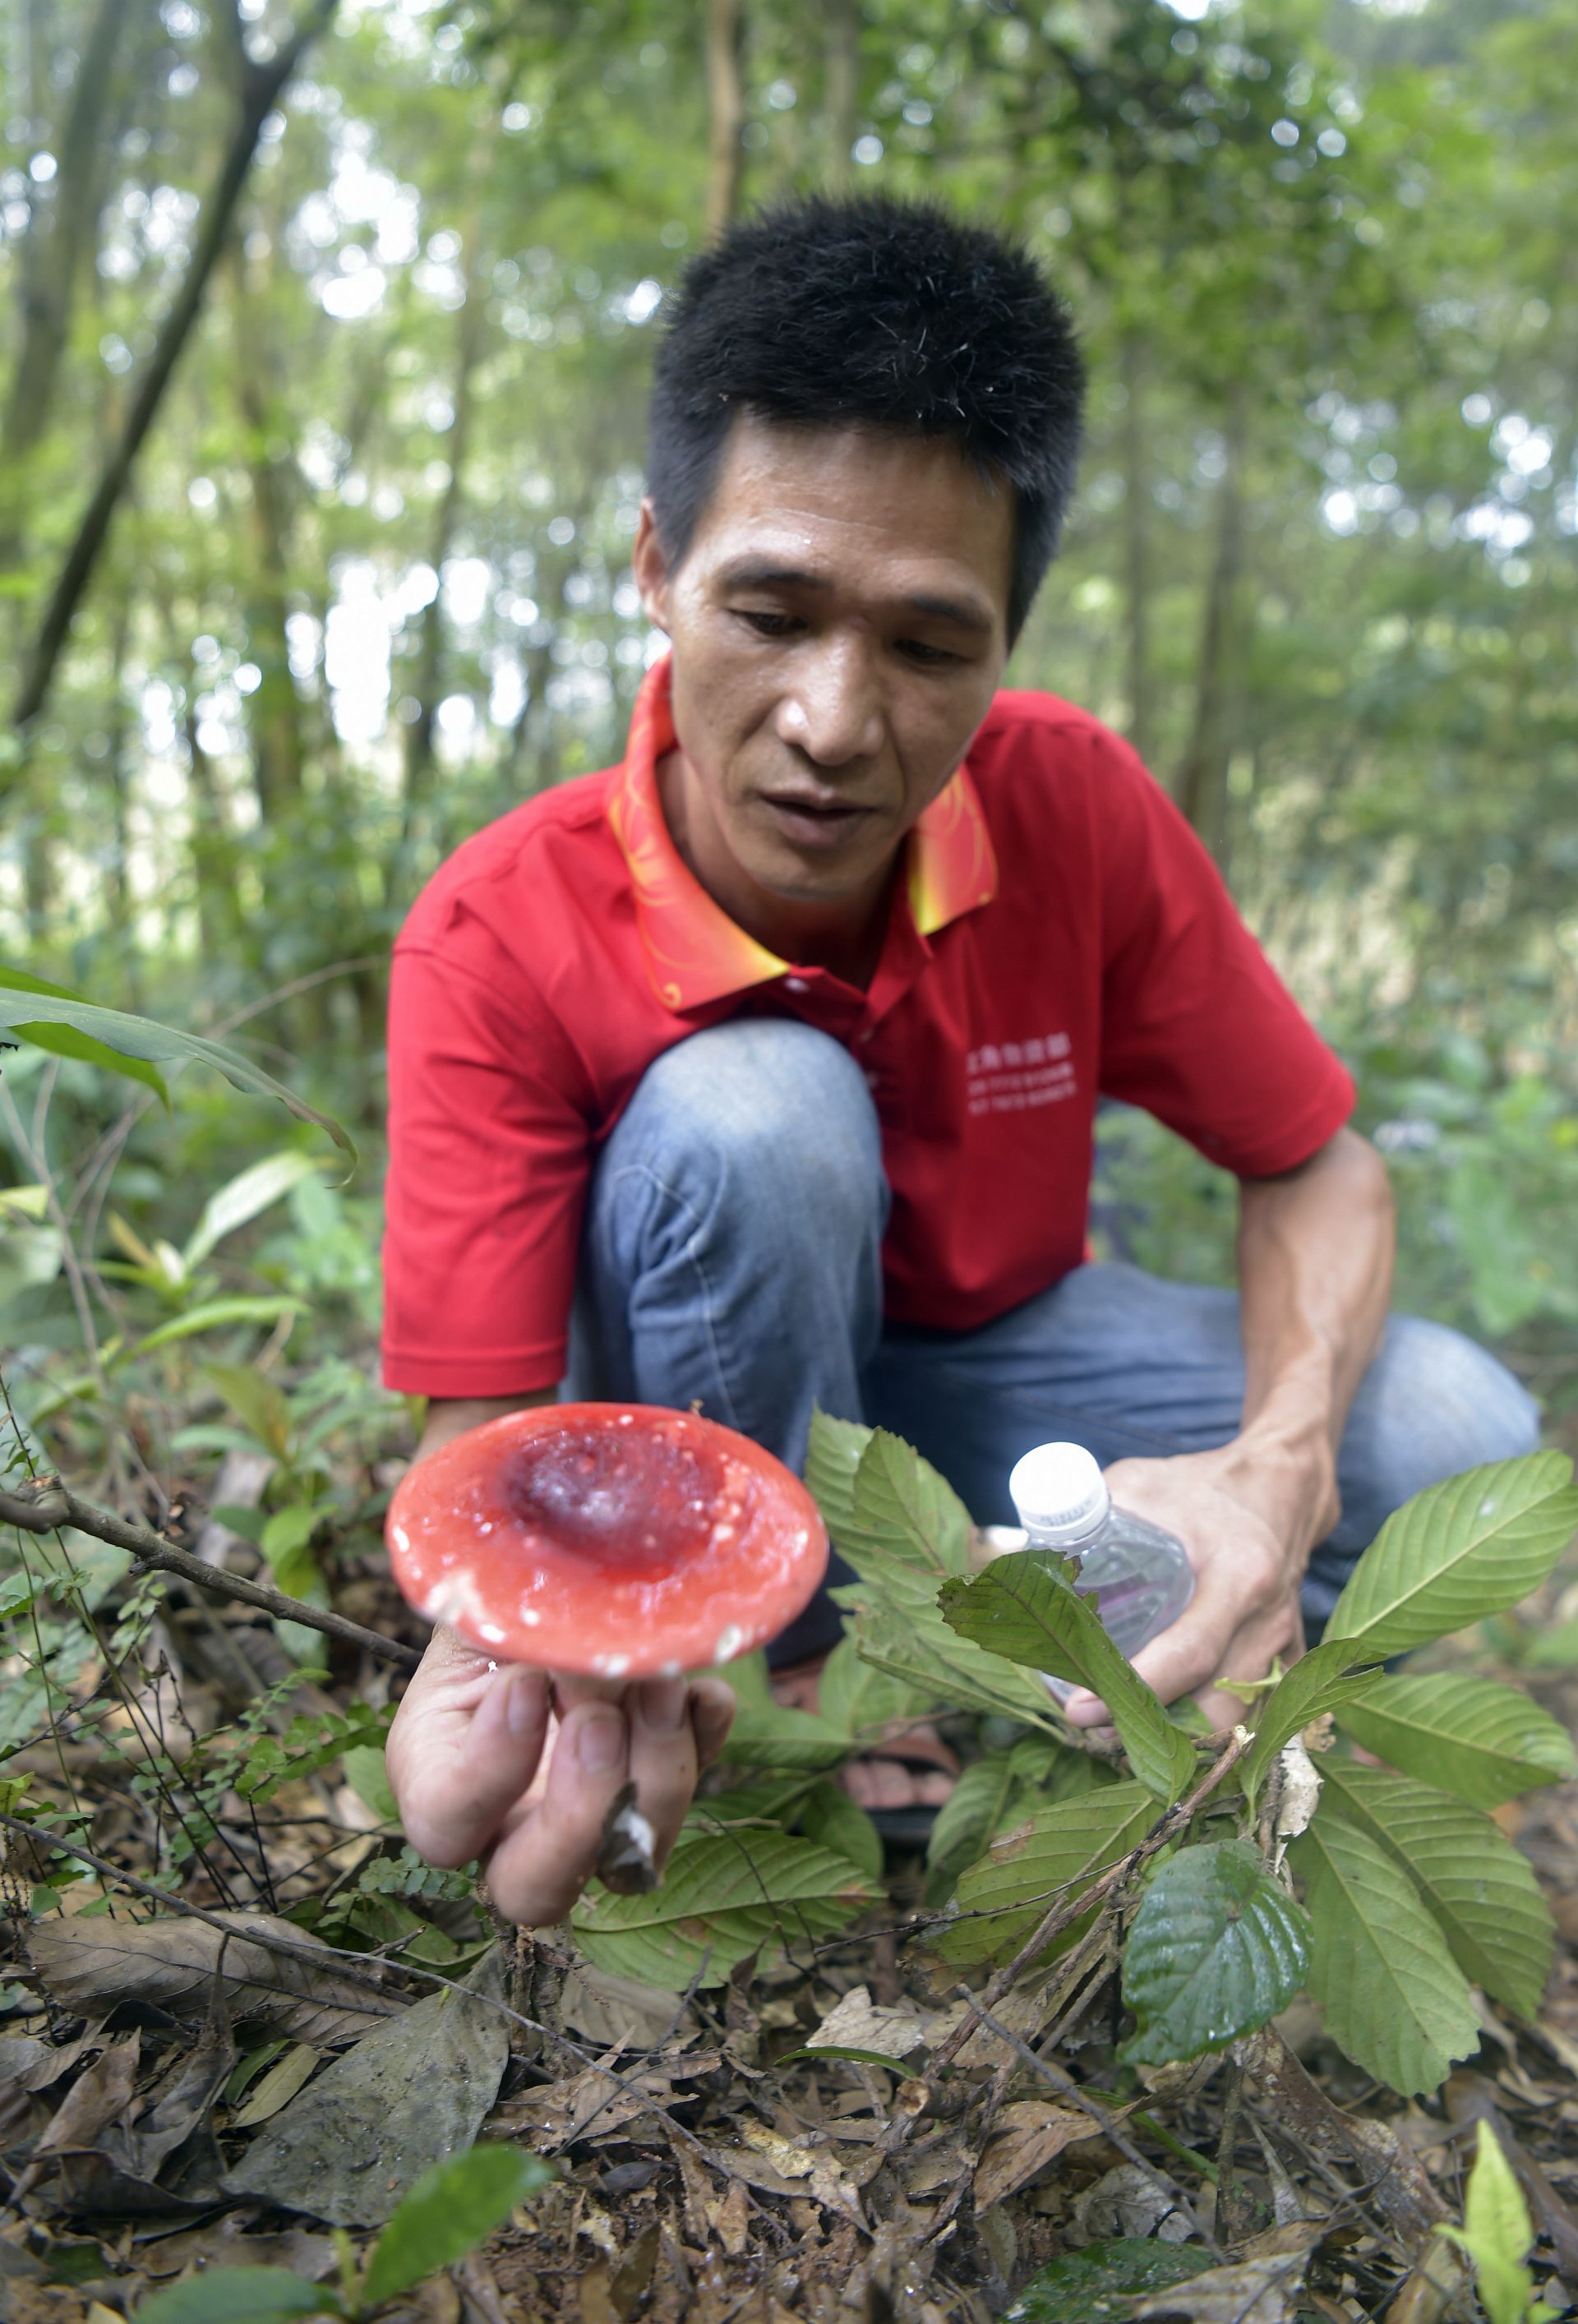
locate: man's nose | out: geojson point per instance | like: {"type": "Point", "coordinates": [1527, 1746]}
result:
{"type": "Point", "coordinates": [833, 711]}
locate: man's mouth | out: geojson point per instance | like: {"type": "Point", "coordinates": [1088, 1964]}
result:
{"type": "Point", "coordinates": [812, 821]}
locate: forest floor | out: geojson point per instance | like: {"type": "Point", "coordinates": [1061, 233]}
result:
{"type": "Point", "coordinates": [712, 2166]}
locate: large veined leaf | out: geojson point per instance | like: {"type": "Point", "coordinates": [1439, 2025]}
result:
{"type": "Point", "coordinates": [1095, 2286]}
{"type": "Point", "coordinates": [1216, 1948]}
{"type": "Point", "coordinates": [1458, 1552]}
{"type": "Point", "coordinates": [781, 1741]}
{"type": "Point", "coordinates": [1393, 1998]}
{"type": "Point", "coordinates": [906, 1637]}
{"type": "Point", "coordinates": [1473, 1737]}
{"type": "Point", "coordinates": [999, 1789]}
{"type": "Point", "coordinates": [65, 1040]}
{"type": "Point", "coordinates": [451, 2208]}
{"type": "Point", "coordinates": [859, 1700]}
{"type": "Point", "coordinates": [903, 1511]}
{"type": "Point", "coordinates": [25, 1010]}
{"type": "Point", "coordinates": [1024, 1608]}
{"type": "Point", "coordinates": [724, 1896]}
{"type": "Point", "coordinates": [832, 1458]}
{"type": "Point", "coordinates": [1317, 1683]}
{"type": "Point", "coordinates": [1496, 2233]}
{"type": "Point", "coordinates": [1050, 1858]}
{"type": "Point", "coordinates": [1481, 1889]}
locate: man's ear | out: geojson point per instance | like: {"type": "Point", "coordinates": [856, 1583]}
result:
{"type": "Point", "coordinates": [650, 563]}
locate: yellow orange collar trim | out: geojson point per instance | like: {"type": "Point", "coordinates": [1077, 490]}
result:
{"type": "Point", "coordinates": [693, 952]}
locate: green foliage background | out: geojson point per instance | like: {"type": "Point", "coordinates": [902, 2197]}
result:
{"type": "Point", "coordinates": [367, 584]}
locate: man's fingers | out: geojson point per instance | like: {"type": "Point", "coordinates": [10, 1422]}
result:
{"type": "Point", "coordinates": [538, 1870]}
{"type": "Point", "coordinates": [455, 1785]}
{"type": "Point", "coordinates": [712, 1712]}
{"type": "Point", "coordinates": [663, 1758]}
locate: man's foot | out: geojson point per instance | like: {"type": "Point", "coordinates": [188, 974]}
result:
{"type": "Point", "coordinates": [908, 1767]}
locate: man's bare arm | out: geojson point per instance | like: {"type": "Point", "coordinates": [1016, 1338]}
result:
{"type": "Point", "coordinates": [1315, 1276]}
{"type": "Point", "coordinates": [451, 1416]}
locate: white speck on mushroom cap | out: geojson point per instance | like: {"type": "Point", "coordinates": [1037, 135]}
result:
{"type": "Point", "coordinates": [529, 1616]}
{"type": "Point", "coordinates": [611, 1665]}
{"type": "Point", "coordinates": [730, 1641]}
{"type": "Point", "coordinates": [399, 1536]}
{"type": "Point", "coordinates": [671, 1669]}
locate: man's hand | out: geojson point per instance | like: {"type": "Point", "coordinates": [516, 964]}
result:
{"type": "Point", "coordinates": [521, 1768]}
{"type": "Point", "coordinates": [1249, 1526]}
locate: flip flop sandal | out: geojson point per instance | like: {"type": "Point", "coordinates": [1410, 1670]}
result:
{"type": "Point", "coordinates": [911, 1828]}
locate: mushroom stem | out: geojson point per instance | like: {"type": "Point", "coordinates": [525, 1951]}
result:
{"type": "Point", "coordinates": [624, 1858]}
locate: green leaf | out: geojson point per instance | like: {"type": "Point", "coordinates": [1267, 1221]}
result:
{"type": "Point", "coordinates": [832, 1458]}
{"type": "Point", "coordinates": [1317, 1683]}
{"type": "Point", "coordinates": [452, 2208]}
{"type": "Point", "coordinates": [1473, 1737]}
{"type": "Point", "coordinates": [1049, 1857]}
{"type": "Point", "coordinates": [1480, 1888]}
{"type": "Point", "coordinates": [1024, 1608]}
{"type": "Point", "coordinates": [214, 1316]}
{"type": "Point", "coordinates": [232, 1205]}
{"type": "Point", "coordinates": [368, 1776]}
{"type": "Point", "coordinates": [777, 1738]}
{"type": "Point", "coordinates": [1394, 1998]}
{"type": "Point", "coordinates": [139, 1039]}
{"type": "Point", "coordinates": [1095, 2286]}
{"type": "Point", "coordinates": [904, 1510]}
{"type": "Point", "coordinates": [859, 1700]}
{"type": "Point", "coordinates": [1216, 1948]}
{"type": "Point", "coordinates": [1496, 2234]}
{"type": "Point", "coordinates": [1458, 1552]}
{"type": "Point", "coordinates": [854, 2057]}
{"type": "Point", "coordinates": [239, 2295]}
{"type": "Point", "coordinates": [898, 1629]}
{"type": "Point", "coordinates": [836, 1821]}
{"type": "Point", "coordinates": [258, 1403]}
{"type": "Point", "coordinates": [64, 1040]}
{"type": "Point", "coordinates": [999, 1789]}
{"type": "Point", "coordinates": [724, 1894]}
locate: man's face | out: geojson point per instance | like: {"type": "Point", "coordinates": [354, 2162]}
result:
{"type": "Point", "coordinates": [838, 626]}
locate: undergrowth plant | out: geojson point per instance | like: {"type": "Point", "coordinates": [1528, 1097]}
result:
{"type": "Point", "coordinates": [1386, 1892]}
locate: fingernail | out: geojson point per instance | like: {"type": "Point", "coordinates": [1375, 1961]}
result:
{"type": "Point", "coordinates": [662, 1705]}
{"type": "Point", "coordinates": [600, 1745]}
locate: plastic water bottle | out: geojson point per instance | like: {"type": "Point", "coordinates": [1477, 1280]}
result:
{"type": "Point", "coordinates": [1141, 1576]}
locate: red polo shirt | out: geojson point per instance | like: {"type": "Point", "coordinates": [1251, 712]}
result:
{"type": "Point", "coordinates": [1060, 933]}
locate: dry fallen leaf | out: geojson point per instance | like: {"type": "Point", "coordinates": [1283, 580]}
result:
{"type": "Point", "coordinates": [858, 2023]}
{"type": "Point", "coordinates": [1033, 2133]}
{"type": "Point", "coordinates": [90, 1968]}
{"type": "Point", "coordinates": [1256, 2292]}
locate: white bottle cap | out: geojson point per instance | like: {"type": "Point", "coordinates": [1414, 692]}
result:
{"type": "Point", "coordinates": [1059, 1492]}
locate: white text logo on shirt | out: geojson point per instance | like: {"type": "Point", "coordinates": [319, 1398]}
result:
{"type": "Point", "coordinates": [1012, 1076]}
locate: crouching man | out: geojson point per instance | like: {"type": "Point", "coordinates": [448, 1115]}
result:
{"type": "Point", "coordinates": [774, 1051]}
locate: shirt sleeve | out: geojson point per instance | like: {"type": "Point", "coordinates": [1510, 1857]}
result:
{"type": "Point", "coordinates": [1197, 1027]}
{"type": "Point", "coordinates": [489, 1157]}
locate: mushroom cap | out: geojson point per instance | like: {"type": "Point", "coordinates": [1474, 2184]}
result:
{"type": "Point", "coordinates": [611, 1540]}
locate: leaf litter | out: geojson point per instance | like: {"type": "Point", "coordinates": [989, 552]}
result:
{"type": "Point", "coordinates": [176, 2096]}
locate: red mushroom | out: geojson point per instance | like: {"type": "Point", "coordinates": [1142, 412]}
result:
{"type": "Point", "coordinates": [609, 1540]}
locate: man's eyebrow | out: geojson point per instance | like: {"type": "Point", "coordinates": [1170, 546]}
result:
{"type": "Point", "coordinates": [763, 573]}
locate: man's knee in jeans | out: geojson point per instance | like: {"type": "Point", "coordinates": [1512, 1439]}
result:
{"type": "Point", "coordinates": [762, 1102]}
{"type": "Point", "coordinates": [1431, 1404]}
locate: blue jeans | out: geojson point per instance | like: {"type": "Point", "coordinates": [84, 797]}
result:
{"type": "Point", "coordinates": [732, 1254]}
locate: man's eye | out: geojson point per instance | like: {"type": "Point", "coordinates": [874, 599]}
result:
{"type": "Point", "coordinates": [929, 657]}
{"type": "Point", "coordinates": [768, 625]}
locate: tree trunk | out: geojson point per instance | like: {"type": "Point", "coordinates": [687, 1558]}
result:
{"type": "Point", "coordinates": [1201, 789]}
{"type": "Point", "coordinates": [725, 97]}
{"type": "Point", "coordinates": [274, 710]}
{"type": "Point", "coordinates": [52, 253]}
{"type": "Point", "coordinates": [263, 85]}
{"type": "Point", "coordinates": [1136, 547]}
{"type": "Point", "coordinates": [428, 682]}
{"type": "Point", "coordinates": [842, 87]}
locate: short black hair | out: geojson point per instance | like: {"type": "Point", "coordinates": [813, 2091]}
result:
{"type": "Point", "coordinates": [872, 312]}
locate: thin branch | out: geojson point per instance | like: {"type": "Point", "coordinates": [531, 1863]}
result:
{"type": "Point", "coordinates": [41, 1508]}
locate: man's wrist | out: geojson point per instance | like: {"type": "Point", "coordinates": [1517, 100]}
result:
{"type": "Point", "coordinates": [1288, 1472]}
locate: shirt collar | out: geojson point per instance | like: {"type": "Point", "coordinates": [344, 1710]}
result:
{"type": "Point", "coordinates": [693, 952]}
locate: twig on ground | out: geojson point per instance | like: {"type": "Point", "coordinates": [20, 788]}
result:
{"type": "Point", "coordinates": [41, 1508]}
